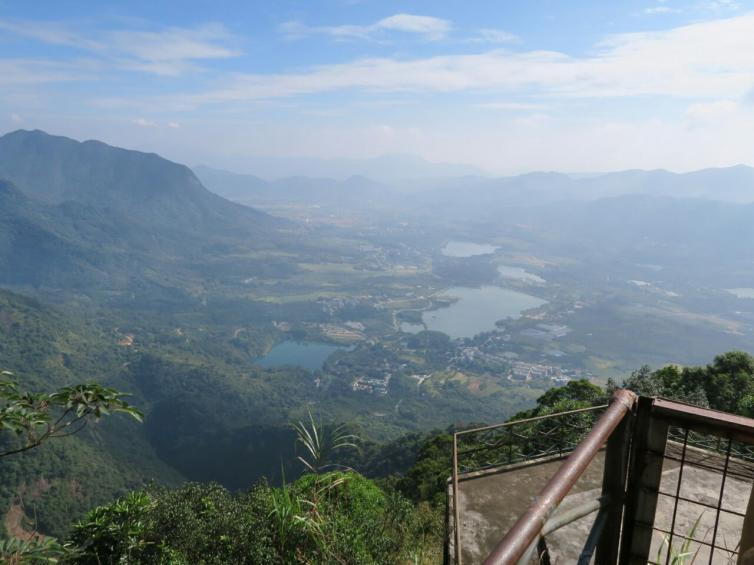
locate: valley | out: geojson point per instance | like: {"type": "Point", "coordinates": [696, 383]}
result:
{"type": "Point", "coordinates": [227, 323]}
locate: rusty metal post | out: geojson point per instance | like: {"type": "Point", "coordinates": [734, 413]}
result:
{"type": "Point", "coordinates": [456, 511]}
{"type": "Point", "coordinates": [614, 486]}
{"type": "Point", "coordinates": [525, 531]}
{"type": "Point", "coordinates": [644, 475]}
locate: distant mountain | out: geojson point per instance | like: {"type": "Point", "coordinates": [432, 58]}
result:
{"type": "Point", "coordinates": [357, 191]}
{"type": "Point", "coordinates": [730, 184]}
{"type": "Point", "coordinates": [87, 217]}
{"type": "Point", "coordinates": [478, 197]}
{"type": "Point", "coordinates": [232, 186]}
{"type": "Point", "coordinates": [142, 186]}
{"type": "Point", "coordinates": [384, 169]}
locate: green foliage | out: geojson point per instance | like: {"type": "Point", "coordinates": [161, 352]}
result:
{"type": "Point", "coordinates": [321, 442]}
{"type": "Point", "coordinates": [50, 349]}
{"type": "Point", "coordinates": [330, 518]}
{"type": "Point", "coordinates": [578, 392]}
{"type": "Point", "coordinates": [117, 529]}
{"type": "Point", "coordinates": [197, 523]}
{"type": "Point", "coordinates": [427, 479]}
{"type": "Point", "coordinates": [726, 384]}
{"type": "Point", "coordinates": [360, 523]}
{"type": "Point", "coordinates": [681, 554]}
{"type": "Point", "coordinates": [34, 552]}
{"type": "Point", "coordinates": [38, 417]}
{"type": "Point", "coordinates": [290, 520]}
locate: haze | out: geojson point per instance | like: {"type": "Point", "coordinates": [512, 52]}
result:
{"type": "Point", "coordinates": [505, 87]}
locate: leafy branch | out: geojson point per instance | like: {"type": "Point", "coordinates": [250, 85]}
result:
{"type": "Point", "coordinates": [38, 417]}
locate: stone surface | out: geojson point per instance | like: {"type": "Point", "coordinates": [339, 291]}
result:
{"type": "Point", "coordinates": [491, 503]}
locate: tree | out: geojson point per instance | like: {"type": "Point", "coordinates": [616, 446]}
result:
{"type": "Point", "coordinates": [730, 379]}
{"type": "Point", "coordinates": [37, 417]}
{"type": "Point", "coordinates": [580, 391]}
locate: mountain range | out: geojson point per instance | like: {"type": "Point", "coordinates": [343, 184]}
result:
{"type": "Point", "coordinates": [129, 233]}
{"type": "Point", "coordinates": [732, 184]}
{"type": "Point", "coordinates": [88, 215]}
{"type": "Point", "coordinates": [358, 191]}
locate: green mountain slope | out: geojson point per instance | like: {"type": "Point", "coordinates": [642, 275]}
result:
{"type": "Point", "coordinates": [143, 186]}
{"type": "Point", "coordinates": [88, 218]}
{"type": "Point", "coordinates": [45, 487]}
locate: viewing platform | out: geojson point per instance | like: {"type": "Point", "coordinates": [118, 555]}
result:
{"type": "Point", "coordinates": [641, 480]}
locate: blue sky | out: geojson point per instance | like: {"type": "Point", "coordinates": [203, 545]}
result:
{"type": "Point", "coordinates": [507, 86]}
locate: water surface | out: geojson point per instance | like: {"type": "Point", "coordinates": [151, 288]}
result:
{"type": "Point", "coordinates": [304, 354]}
{"type": "Point", "coordinates": [476, 310]}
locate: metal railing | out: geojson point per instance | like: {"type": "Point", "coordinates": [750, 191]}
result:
{"type": "Point", "coordinates": [522, 540]}
{"type": "Point", "coordinates": [661, 458]}
{"type": "Point", "coordinates": [491, 448]}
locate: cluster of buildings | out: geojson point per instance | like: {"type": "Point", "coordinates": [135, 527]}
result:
{"type": "Point", "coordinates": [342, 333]}
{"type": "Point", "coordinates": [372, 385]}
{"type": "Point", "coordinates": [522, 371]}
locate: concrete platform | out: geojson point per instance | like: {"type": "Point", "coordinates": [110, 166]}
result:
{"type": "Point", "coordinates": [491, 502]}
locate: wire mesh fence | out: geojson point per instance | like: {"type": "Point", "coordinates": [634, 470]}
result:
{"type": "Point", "coordinates": [702, 498]}
{"type": "Point", "coordinates": [677, 482]}
{"type": "Point", "coordinates": [514, 442]}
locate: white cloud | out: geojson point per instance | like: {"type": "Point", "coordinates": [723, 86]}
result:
{"type": "Point", "coordinates": [712, 111]}
{"type": "Point", "coordinates": [16, 72]}
{"type": "Point", "coordinates": [168, 51]}
{"type": "Point", "coordinates": [510, 106]}
{"type": "Point", "coordinates": [720, 5]}
{"type": "Point", "coordinates": [427, 27]}
{"type": "Point", "coordinates": [15, 118]}
{"type": "Point", "coordinates": [661, 9]}
{"type": "Point", "coordinates": [487, 35]}
{"type": "Point", "coordinates": [665, 63]}
{"type": "Point", "coordinates": [174, 125]}
{"type": "Point", "coordinates": [144, 123]}
{"type": "Point", "coordinates": [432, 28]}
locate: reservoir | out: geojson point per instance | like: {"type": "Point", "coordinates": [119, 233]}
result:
{"type": "Point", "coordinates": [467, 249]}
{"type": "Point", "coordinates": [304, 354]}
{"type": "Point", "coordinates": [476, 310]}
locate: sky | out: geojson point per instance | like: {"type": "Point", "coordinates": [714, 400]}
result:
{"type": "Point", "coordinates": [507, 86]}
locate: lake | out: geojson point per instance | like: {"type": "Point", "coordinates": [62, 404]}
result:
{"type": "Point", "coordinates": [476, 310]}
{"type": "Point", "coordinates": [519, 274]}
{"type": "Point", "coordinates": [742, 292]}
{"type": "Point", "coordinates": [304, 354]}
{"type": "Point", "coordinates": [467, 249]}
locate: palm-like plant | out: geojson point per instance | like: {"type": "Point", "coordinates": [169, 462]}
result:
{"type": "Point", "coordinates": [321, 442]}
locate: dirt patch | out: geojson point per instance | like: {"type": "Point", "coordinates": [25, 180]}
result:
{"type": "Point", "coordinates": [126, 341]}
{"type": "Point", "coordinates": [15, 522]}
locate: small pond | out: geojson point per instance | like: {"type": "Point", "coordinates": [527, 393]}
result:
{"type": "Point", "coordinates": [306, 354]}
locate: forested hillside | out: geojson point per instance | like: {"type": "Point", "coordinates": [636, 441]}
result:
{"type": "Point", "coordinates": [131, 274]}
